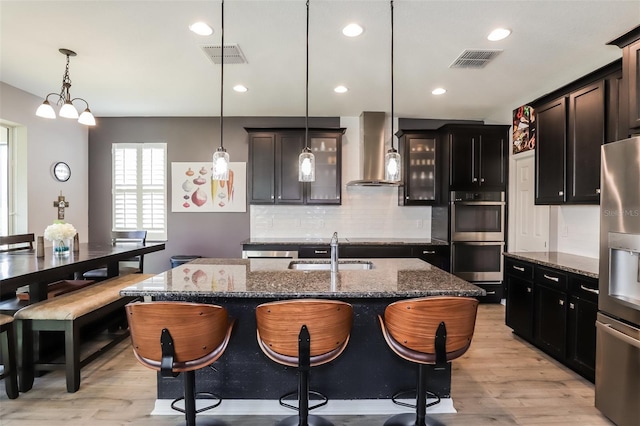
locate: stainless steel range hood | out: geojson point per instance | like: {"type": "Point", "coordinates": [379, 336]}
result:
{"type": "Point", "coordinates": [372, 151]}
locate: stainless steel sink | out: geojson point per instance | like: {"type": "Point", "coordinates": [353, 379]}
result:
{"type": "Point", "coordinates": [325, 265]}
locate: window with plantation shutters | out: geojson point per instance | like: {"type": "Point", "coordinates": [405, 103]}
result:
{"type": "Point", "coordinates": [140, 188]}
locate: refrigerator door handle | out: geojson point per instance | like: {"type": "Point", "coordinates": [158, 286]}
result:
{"type": "Point", "coordinates": [617, 334]}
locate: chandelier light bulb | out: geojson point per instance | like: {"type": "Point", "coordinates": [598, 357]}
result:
{"type": "Point", "coordinates": [68, 110]}
{"type": "Point", "coordinates": [87, 118]}
{"type": "Point", "coordinates": [46, 110]}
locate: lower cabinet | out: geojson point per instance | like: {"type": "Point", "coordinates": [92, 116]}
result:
{"type": "Point", "coordinates": [555, 311]}
{"type": "Point", "coordinates": [519, 285]}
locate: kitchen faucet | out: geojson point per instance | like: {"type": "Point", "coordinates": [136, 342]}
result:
{"type": "Point", "coordinates": [334, 252]}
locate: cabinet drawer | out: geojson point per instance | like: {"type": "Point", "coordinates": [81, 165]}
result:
{"type": "Point", "coordinates": [584, 287]}
{"type": "Point", "coordinates": [494, 292]}
{"type": "Point", "coordinates": [311, 252]}
{"type": "Point", "coordinates": [551, 278]}
{"type": "Point", "coordinates": [518, 269]}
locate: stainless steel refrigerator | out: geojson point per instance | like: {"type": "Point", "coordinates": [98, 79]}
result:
{"type": "Point", "coordinates": [617, 381]}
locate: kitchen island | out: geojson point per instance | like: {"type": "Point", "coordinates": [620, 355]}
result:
{"type": "Point", "coordinates": [366, 370]}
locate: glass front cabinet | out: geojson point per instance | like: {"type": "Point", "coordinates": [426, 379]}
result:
{"type": "Point", "coordinates": [418, 151]}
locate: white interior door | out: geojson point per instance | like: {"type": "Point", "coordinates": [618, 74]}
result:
{"type": "Point", "coordinates": [531, 221]}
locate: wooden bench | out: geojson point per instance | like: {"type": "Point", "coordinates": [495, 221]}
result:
{"type": "Point", "coordinates": [69, 313]}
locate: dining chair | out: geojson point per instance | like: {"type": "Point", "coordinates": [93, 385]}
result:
{"type": "Point", "coordinates": [16, 242]}
{"type": "Point", "coordinates": [134, 265]}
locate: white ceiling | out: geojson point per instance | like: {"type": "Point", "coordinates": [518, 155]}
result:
{"type": "Point", "coordinates": [138, 58]}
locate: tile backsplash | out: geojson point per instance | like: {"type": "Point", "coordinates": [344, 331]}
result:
{"type": "Point", "coordinates": [365, 212]}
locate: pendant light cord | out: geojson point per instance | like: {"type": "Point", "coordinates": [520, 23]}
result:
{"type": "Point", "coordinates": [222, 75]}
{"type": "Point", "coordinates": [392, 115]}
{"type": "Point", "coordinates": [306, 120]}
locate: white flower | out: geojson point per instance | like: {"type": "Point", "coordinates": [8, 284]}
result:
{"type": "Point", "coordinates": [59, 231]}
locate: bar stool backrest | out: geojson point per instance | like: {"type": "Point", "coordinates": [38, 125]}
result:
{"type": "Point", "coordinates": [200, 332]}
{"type": "Point", "coordinates": [279, 323]}
{"type": "Point", "coordinates": [413, 323]}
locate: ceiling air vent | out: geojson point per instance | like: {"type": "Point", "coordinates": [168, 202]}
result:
{"type": "Point", "coordinates": [232, 54]}
{"type": "Point", "coordinates": [475, 58]}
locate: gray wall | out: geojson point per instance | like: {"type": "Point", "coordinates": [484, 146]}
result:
{"type": "Point", "coordinates": [188, 139]}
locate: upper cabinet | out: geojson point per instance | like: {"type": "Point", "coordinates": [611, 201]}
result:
{"type": "Point", "coordinates": [418, 150]}
{"type": "Point", "coordinates": [570, 131]}
{"type": "Point", "coordinates": [273, 166]}
{"type": "Point", "coordinates": [630, 93]}
{"type": "Point", "coordinates": [551, 119]}
{"type": "Point", "coordinates": [478, 157]}
{"type": "Point", "coordinates": [586, 135]}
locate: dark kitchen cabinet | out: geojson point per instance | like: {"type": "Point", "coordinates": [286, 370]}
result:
{"type": "Point", "coordinates": [478, 157]}
{"type": "Point", "coordinates": [519, 286]}
{"type": "Point", "coordinates": [586, 136]}
{"type": "Point", "coordinates": [374, 251]}
{"type": "Point", "coordinates": [550, 329]}
{"type": "Point", "coordinates": [631, 60]}
{"type": "Point", "coordinates": [581, 326]}
{"type": "Point", "coordinates": [418, 150]}
{"type": "Point", "coordinates": [554, 310]}
{"type": "Point", "coordinates": [551, 119]}
{"type": "Point", "coordinates": [273, 166]}
{"type": "Point", "coordinates": [572, 124]}
{"type": "Point", "coordinates": [437, 255]}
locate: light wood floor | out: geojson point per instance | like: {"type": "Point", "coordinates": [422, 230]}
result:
{"type": "Point", "coordinates": [500, 381]}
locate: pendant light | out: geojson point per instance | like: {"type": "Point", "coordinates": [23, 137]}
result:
{"type": "Point", "coordinates": [221, 157]}
{"type": "Point", "coordinates": [307, 161]}
{"type": "Point", "coordinates": [67, 109]}
{"type": "Point", "coordinates": [392, 165]}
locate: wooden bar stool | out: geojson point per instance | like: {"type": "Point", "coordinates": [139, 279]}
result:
{"type": "Point", "coordinates": [7, 345]}
{"type": "Point", "coordinates": [304, 333]}
{"type": "Point", "coordinates": [180, 337]}
{"type": "Point", "coordinates": [429, 330]}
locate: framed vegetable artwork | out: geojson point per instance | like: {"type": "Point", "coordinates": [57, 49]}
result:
{"type": "Point", "coordinates": [524, 129]}
{"type": "Point", "coordinates": [193, 191]}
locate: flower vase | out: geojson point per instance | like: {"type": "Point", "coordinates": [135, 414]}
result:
{"type": "Point", "coordinates": [62, 248]}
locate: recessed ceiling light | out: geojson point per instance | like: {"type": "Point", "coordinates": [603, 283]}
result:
{"type": "Point", "coordinates": [201, 28]}
{"type": "Point", "coordinates": [439, 91]}
{"type": "Point", "coordinates": [340, 89]}
{"type": "Point", "coordinates": [240, 88]}
{"type": "Point", "coordinates": [352, 30]}
{"type": "Point", "coordinates": [499, 34]}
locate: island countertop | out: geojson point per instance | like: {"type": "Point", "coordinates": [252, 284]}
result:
{"type": "Point", "coordinates": [271, 278]}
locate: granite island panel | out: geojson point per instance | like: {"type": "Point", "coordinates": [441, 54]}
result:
{"type": "Point", "coordinates": [271, 278]}
{"type": "Point", "coordinates": [367, 369]}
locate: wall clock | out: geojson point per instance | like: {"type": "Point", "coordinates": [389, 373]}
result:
{"type": "Point", "coordinates": [61, 171]}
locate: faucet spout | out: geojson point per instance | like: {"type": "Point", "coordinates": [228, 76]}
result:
{"type": "Point", "coordinates": [334, 252]}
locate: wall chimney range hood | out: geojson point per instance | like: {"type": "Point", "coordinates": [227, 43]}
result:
{"type": "Point", "coordinates": [372, 151]}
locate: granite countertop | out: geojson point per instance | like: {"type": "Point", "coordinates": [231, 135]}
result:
{"type": "Point", "coordinates": [271, 278]}
{"type": "Point", "coordinates": [345, 241]}
{"type": "Point", "coordinates": [581, 265]}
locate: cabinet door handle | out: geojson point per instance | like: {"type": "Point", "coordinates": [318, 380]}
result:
{"type": "Point", "coordinates": [428, 252]}
{"type": "Point", "coordinates": [590, 290]}
{"type": "Point", "coordinates": [597, 190]}
{"type": "Point", "coordinates": [528, 289]}
{"type": "Point", "coordinates": [561, 193]}
{"type": "Point", "coordinates": [489, 293]}
{"type": "Point", "coordinates": [320, 251]}
{"type": "Point", "coordinates": [561, 302]}
{"type": "Point", "coordinates": [272, 197]}
{"type": "Point", "coordinates": [518, 268]}
{"type": "Point", "coordinates": [572, 306]}
{"type": "Point", "coordinates": [556, 279]}
{"type": "Point", "coordinates": [481, 179]}
{"type": "Point", "coordinates": [475, 179]}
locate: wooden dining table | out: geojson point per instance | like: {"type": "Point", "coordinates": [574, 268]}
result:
{"type": "Point", "coordinates": [23, 267]}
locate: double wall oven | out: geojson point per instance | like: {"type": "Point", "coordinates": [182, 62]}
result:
{"type": "Point", "coordinates": [477, 238]}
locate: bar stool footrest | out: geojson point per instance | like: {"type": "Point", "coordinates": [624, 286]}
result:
{"type": "Point", "coordinates": [323, 401]}
{"type": "Point", "coordinates": [413, 392]}
{"type": "Point", "coordinates": [208, 407]}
